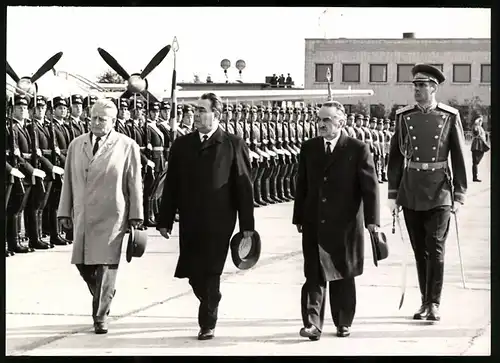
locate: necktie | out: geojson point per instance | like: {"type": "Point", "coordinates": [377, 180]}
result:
{"type": "Point", "coordinates": [96, 146]}
{"type": "Point", "coordinates": [328, 148]}
{"type": "Point", "coordinates": [205, 138]}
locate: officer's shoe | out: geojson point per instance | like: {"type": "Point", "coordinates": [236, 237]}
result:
{"type": "Point", "coordinates": [206, 334]}
{"type": "Point", "coordinates": [434, 312]}
{"type": "Point", "coordinates": [19, 248]}
{"type": "Point", "coordinates": [422, 313]}
{"type": "Point", "coordinates": [57, 241]}
{"type": "Point", "coordinates": [39, 245]}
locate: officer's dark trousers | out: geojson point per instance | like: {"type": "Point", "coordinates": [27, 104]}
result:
{"type": "Point", "coordinates": [101, 281]}
{"type": "Point", "coordinates": [342, 295]}
{"type": "Point", "coordinates": [428, 231]}
{"type": "Point", "coordinates": [476, 159]}
{"type": "Point", "coordinates": [207, 289]}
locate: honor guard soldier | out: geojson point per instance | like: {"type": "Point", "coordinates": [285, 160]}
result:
{"type": "Point", "coordinates": [257, 147]}
{"type": "Point", "coordinates": [88, 102]}
{"type": "Point", "coordinates": [227, 118]}
{"type": "Point", "coordinates": [268, 190]}
{"type": "Point", "coordinates": [19, 153]}
{"type": "Point", "coordinates": [12, 176]}
{"type": "Point", "coordinates": [358, 128]}
{"type": "Point", "coordinates": [387, 143]}
{"type": "Point", "coordinates": [74, 122]}
{"type": "Point", "coordinates": [368, 135]}
{"type": "Point", "coordinates": [382, 148]}
{"type": "Point", "coordinates": [59, 139]}
{"type": "Point", "coordinates": [350, 126]}
{"type": "Point", "coordinates": [186, 125]}
{"type": "Point", "coordinates": [165, 112]}
{"type": "Point", "coordinates": [41, 158]}
{"type": "Point", "coordinates": [420, 180]}
{"type": "Point", "coordinates": [163, 125]}
{"type": "Point", "coordinates": [123, 117]}
{"type": "Point", "coordinates": [376, 146]}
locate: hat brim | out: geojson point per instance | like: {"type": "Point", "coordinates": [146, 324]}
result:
{"type": "Point", "coordinates": [380, 248]}
{"type": "Point", "coordinates": [137, 242]}
{"type": "Point", "coordinates": [251, 257]}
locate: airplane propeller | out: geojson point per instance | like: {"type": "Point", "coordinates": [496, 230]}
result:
{"type": "Point", "coordinates": [26, 85]}
{"type": "Point", "coordinates": [137, 82]}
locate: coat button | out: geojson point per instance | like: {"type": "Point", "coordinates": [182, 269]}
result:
{"type": "Point", "coordinates": [433, 159]}
{"type": "Point", "coordinates": [414, 137]}
{"type": "Point", "coordinates": [433, 169]}
{"type": "Point", "coordinates": [436, 137]}
{"type": "Point", "coordinates": [433, 148]}
{"type": "Point", "coordinates": [325, 178]}
{"type": "Point", "coordinates": [322, 221]}
{"type": "Point", "coordinates": [323, 200]}
{"type": "Point", "coordinates": [417, 159]}
{"type": "Point", "coordinates": [408, 118]}
{"type": "Point", "coordinates": [416, 147]}
{"type": "Point", "coordinates": [411, 127]}
{"type": "Point", "coordinates": [439, 126]}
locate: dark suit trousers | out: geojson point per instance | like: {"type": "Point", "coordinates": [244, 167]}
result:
{"type": "Point", "coordinates": [476, 159]}
{"type": "Point", "coordinates": [100, 280]}
{"type": "Point", "coordinates": [206, 289]}
{"type": "Point", "coordinates": [342, 301]}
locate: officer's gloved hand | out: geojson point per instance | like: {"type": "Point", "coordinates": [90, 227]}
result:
{"type": "Point", "coordinates": [151, 164]}
{"type": "Point", "coordinates": [15, 172]}
{"type": "Point", "coordinates": [39, 173]}
{"type": "Point", "coordinates": [57, 170]}
{"type": "Point", "coordinates": [391, 203]}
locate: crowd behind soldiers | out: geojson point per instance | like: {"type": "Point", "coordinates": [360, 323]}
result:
{"type": "Point", "coordinates": [40, 130]}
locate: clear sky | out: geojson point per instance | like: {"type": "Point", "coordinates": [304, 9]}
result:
{"type": "Point", "coordinates": [270, 40]}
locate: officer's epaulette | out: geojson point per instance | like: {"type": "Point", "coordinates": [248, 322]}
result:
{"type": "Point", "coordinates": [447, 108]}
{"type": "Point", "coordinates": [404, 109]}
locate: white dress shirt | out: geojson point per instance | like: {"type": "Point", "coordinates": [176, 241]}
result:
{"type": "Point", "coordinates": [209, 134]}
{"type": "Point", "coordinates": [93, 140]}
{"type": "Point", "coordinates": [332, 142]}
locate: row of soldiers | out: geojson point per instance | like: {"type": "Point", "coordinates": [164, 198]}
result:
{"type": "Point", "coordinates": [39, 132]}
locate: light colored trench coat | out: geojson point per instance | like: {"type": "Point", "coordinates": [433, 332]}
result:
{"type": "Point", "coordinates": [101, 193]}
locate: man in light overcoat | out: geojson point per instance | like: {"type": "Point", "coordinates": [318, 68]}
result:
{"type": "Point", "coordinates": [101, 197]}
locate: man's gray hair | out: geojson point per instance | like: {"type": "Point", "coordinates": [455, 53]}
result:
{"type": "Point", "coordinates": [103, 104]}
{"type": "Point", "coordinates": [338, 106]}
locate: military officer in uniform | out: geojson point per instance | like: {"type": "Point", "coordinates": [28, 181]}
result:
{"type": "Point", "coordinates": [165, 112]}
{"type": "Point", "coordinates": [88, 102]}
{"type": "Point", "coordinates": [382, 150]}
{"type": "Point", "coordinates": [163, 125]}
{"type": "Point", "coordinates": [257, 147]}
{"type": "Point", "coordinates": [74, 122]}
{"type": "Point", "coordinates": [387, 143]}
{"type": "Point", "coordinates": [421, 183]}
{"type": "Point", "coordinates": [358, 128]}
{"type": "Point", "coordinates": [123, 116]}
{"type": "Point", "coordinates": [22, 157]}
{"type": "Point", "coordinates": [186, 124]}
{"type": "Point", "coordinates": [12, 176]}
{"type": "Point", "coordinates": [350, 126]}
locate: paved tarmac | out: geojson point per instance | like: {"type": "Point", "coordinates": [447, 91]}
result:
{"type": "Point", "coordinates": [48, 306]}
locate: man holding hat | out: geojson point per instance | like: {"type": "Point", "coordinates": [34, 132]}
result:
{"type": "Point", "coordinates": [208, 181]}
{"type": "Point", "coordinates": [420, 180]}
{"type": "Point", "coordinates": [337, 196]}
{"type": "Point", "coordinates": [101, 197]}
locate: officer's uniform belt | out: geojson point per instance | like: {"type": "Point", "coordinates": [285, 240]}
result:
{"type": "Point", "coordinates": [427, 166]}
{"type": "Point", "coordinates": [46, 152]}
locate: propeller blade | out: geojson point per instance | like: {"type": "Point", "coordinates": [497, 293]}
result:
{"type": "Point", "coordinates": [113, 63]}
{"type": "Point", "coordinates": [46, 67]}
{"type": "Point", "coordinates": [157, 59]}
{"type": "Point", "coordinates": [11, 72]}
{"type": "Point", "coordinates": [127, 94]}
{"type": "Point", "coordinates": [147, 94]}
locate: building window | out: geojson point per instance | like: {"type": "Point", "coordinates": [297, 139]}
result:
{"type": "Point", "coordinates": [378, 72]}
{"type": "Point", "coordinates": [438, 66]}
{"type": "Point", "coordinates": [404, 72]}
{"type": "Point", "coordinates": [350, 73]}
{"type": "Point", "coordinates": [321, 70]}
{"type": "Point", "coordinates": [485, 73]}
{"type": "Point", "coordinates": [461, 73]}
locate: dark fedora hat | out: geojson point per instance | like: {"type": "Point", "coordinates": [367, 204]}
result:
{"type": "Point", "coordinates": [379, 246]}
{"type": "Point", "coordinates": [137, 241]}
{"type": "Point", "coordinates": [245, 255]}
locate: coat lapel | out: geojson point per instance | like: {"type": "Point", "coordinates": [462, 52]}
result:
{"type": "Point", "coordinates": [215, 139]}
{"type": "Point", "coordinates": [336, 151]}
{"type": "Point", "coordinates": [110, 141]}
{"type": "Point", "coordinates": [87, 146]}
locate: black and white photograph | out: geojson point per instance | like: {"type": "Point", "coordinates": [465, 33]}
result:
{"type": "Point", "coordinates": [247, 181]}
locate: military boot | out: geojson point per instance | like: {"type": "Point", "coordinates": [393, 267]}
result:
{"type": "Point", "coordinates": [422, 313]}
{"type": "Point", "coordinates": [7, 252]}
{"type": "Point", "coordinates": [55, 238]}
{"type": "Point", "coordinates": [23, 239]}
{"type": "Point", "coordinates": [39, 219]}
{"type": "Point", "coordinates": [435, 275]}
{"type": "Point", "coordinates": [13, 235]}
{"type": "Point", "coordinates": [257, 187]}
{"type": "Point", "coordinates": [31, 224]}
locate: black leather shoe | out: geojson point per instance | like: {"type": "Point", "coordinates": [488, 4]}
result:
{"type": "Point", "coordinates": [57, 241]}
{"type": "Point", "coordinates": [101, 327]}
{"type": "Point", "coordinates": [310, 332]}
{"type": "Point", "coordinates": [422, 313]}
{"type": "Point", "coordinates": [205, 334]}
{"type": "Point", "coordinates": [476, 180]}
{"type": "Point", "coordinates": [343, 331]}
{"type": "Point", "coordinates": [39, 245]}
{"type": "Point", "coordinates": [433, 313]}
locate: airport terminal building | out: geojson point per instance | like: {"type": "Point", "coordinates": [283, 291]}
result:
{"type": "Point", "coordinates": [384, 65]}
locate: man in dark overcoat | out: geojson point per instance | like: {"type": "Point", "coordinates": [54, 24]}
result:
{"type": "Point", "coordinates": [208, 181]}
{"type": "Point", "coordinates": [337, 195]}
